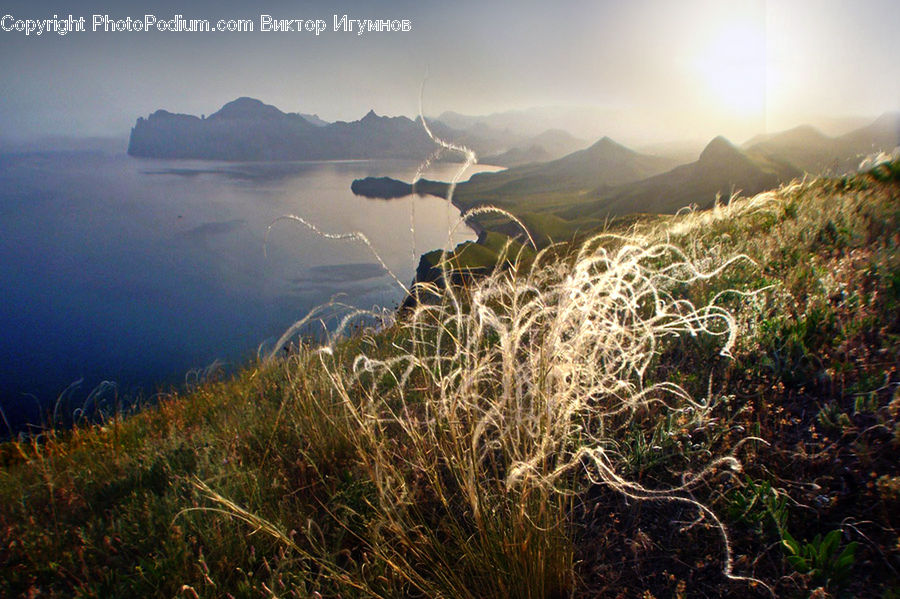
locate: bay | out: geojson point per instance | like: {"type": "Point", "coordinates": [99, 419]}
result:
{"type": "Point", "coordinates": [146, 272]}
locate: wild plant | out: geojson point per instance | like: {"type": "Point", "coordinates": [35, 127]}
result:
{"type": "Point", "coordinates": [508, 395]}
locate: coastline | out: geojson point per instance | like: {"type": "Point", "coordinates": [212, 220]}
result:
{"type": "Point", "coordinates": [387, 188]}
{"type": "Point", "coordinates": [473, 223]}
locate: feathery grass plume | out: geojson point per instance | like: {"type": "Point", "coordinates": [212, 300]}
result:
{"type": "Point", "coordinates": [505, 445]}
{"type": "Point", "coordinates": [531, 378]}
{"type": "Point", "coordinates": [94, 399]}
{"type": "Point", "coordinates": [504, 398]}
{"type": "Point", "coordinates": [354, 236]}
{"type": "Point", "coordinates": [877, 159]}
{"type": "Point", "coordinates": [508, 396]}
{"type": "Point", "coordinates": [195, 378]}
{"type": "Point", "coordinates": [333, 308]}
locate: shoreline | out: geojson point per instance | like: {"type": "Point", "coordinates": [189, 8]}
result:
{"type": "Point", "coordinates": [472, 223]}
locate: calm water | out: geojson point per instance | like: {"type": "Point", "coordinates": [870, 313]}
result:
{"type": "Point", "coordinates": [137, 271]}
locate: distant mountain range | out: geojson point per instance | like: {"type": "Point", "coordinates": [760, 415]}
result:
{"type": "Point", "coordinates": [720, 171]}
{"type": "Point", "coordinates": [814, 152]}
{"type": "Point", "coordinates": [248, 130]}
{"type": "Point", "coordinates": [550, 182]}
{"type": "Point", "coordinates": [604, 164]}
{"type": "Point", "coordinates": [314, 119]}
{"type": "Point", "coordinates": [609, 179]}
{"type": "Point", "coordinates": [578, 192]}
{"type": "Point", "coordinates": [581, 120]}
{"type": "Point", "coordinates": [546, 146]}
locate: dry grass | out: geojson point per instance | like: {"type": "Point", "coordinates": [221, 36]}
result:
{"type": "Point", "coordinates": [557, 428]}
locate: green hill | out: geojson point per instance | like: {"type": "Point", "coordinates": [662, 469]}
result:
{"type": "Point", "coordinates": [701, 405]}
{"type": "Point", "coordinates": [549, 145]}
{"type": "Point", "coordinates": [816, 153]}
{"type": "Point", "coordinates": [604, 163]}
{"type": "Point", "coordinates": [805, 146]}
{"type": "Point", "coordinates": [721, 171]}
{"type": "Point", "coordinates": [882, 135]}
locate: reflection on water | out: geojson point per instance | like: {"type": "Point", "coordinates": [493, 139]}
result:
{"type": "Point", "coordinates": [139, 270]}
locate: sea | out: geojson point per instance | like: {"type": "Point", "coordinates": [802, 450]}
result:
{"type": "Point", "coordinates": [124, 278]}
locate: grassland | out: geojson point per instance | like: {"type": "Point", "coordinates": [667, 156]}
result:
{"type": "Point", "coordinates": [699, 405]}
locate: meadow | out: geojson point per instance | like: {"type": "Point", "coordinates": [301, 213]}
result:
{"type": "Point", "coordinates": [704, 404]}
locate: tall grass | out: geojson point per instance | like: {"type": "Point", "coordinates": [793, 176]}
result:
{"type": "Point", "coordinates": [536, 432]}
{"type": "Point", "coordinates": [498, 403]}
{"type": "Point", "coordinates": [501, 400]}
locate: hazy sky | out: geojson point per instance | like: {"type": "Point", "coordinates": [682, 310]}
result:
{"type": "Point", "coordinates": [668, 69]}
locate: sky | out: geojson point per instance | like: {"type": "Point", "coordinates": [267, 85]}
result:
{"type": "Point", "coordinates": [651, 70]}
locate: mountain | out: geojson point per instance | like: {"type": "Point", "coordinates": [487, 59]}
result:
{"type": "Point", "coordinates": [606, 163]}
{"type": "Point", "coordinates": [373, 136]}
{"type": "Point", "coordinates": [244, 129]}
{"type": "Point", "coordinates": [721, 170]}
{"type": "Point", "coordinates": [882, 135]}
{"type": "Point", "coordinates": [546, 146]}
{"type": "Point", "coordinates": [457, 120]}
{"type": "Point", "coordinates": [681, 151]}
{"type": "Point", "coordinates": [483, 139]}
{"type": "Point", "coordinates": [798, 136]}
{"type": "Point", "coordinates": [518, 156]}
{"type": "Point", "coordinates": [805, 147]}
{"type": "Point", "coordinates": [250, 109]}
{"type": "Point", "coordinates": [248, 130]}
{"type": "Point", "coordinates": [811, 150]}
{"type": "Point", "coordinates": [535, 192]}
{"type": "Point", "coordinates": [314, 119]}
{"type": "Point", "coordinates": [590, 121]}
{"type": "Point", "coordinates": [557, 142]}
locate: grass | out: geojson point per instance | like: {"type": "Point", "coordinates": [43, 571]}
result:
{"type": "Point", "coordinates": [705, 404]}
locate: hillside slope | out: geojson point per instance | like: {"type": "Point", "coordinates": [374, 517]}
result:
{"type": "Point", "coordinates": [604, 163]}
{"type": "Point", "coordinates": [804, 146]}
{"type": "Point", "coordinates": [816, 153]}
{"type": "Point", "coordinates": [721, 171]}
{"type": "Point", "coordinates": [706, 405]}
{"type": "Point", "coordinates": [544, 147]}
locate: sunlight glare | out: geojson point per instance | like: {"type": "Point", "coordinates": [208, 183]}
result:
{"type": "Point", "coordinates": [732, 66]}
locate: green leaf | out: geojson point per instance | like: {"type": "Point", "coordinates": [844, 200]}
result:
{"type": "Point", "coordinates": [844, 561]}
{"type": "Point", "coordinates": [830, 544]}
{"type": "Point", "coordinates": [791, 543]}
{"type": "Point", "coordinates": [799, 564]}
{"type": "Point", "coordinates": [848, 555]}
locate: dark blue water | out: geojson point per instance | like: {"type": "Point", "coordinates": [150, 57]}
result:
{"type": "Point", "coordinates": [138, 271]}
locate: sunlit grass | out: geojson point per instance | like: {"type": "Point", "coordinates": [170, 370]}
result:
{"type": "Point", "coordinates": [571, 424]}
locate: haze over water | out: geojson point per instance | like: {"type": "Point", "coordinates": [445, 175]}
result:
{"type": "Point", "coordinates": [137, 271]}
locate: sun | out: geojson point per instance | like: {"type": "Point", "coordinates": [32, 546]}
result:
{"type": "Point", "coordinates": [731, 66]}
